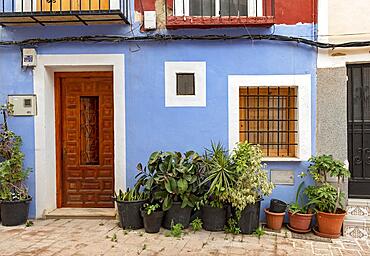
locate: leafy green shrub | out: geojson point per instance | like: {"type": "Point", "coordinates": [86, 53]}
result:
{"type": "Point", "coordinates": [12, 173]}
{"type": "Point", "coordinates": [324, 165]}
{"type": "Point", "coordinates": [196, 224]}
{"type": "Point", "coordinates": [252, 182]}
{"type": "Point", "coordinates": [172, 177]}
{"type": "Point", "coordinates": [325, 196]}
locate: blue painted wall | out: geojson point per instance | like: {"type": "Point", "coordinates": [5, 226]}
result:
{"type": "Point", "coordinates": [150, 125]}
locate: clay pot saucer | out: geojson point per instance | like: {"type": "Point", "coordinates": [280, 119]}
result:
{"type": "Point", "coordinates": [331, 236]}
{"type": "Point", "coordinates": [299, 231]}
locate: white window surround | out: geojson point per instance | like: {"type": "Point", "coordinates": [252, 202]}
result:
{"type": "Point", "coordinates": [303, 82]}
{"type": "Point", "coordinates": [44, 128]}
{"type": "Point", "coordinates": [174, 100]}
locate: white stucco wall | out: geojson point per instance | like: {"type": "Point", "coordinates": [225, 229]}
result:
{"type": "Point", "coordinates": [342, 21]}
{"type": "Point", "coordinates": [348, 20]}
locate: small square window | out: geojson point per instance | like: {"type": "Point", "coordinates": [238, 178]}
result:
{"type": "Point", "coordinates": [185, 84]}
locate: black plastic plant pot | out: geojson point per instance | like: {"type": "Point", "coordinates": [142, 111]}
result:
{"type": "Point", "coordinates": [14, 213]}
{"type": "Point", "coordinates": [152, 222]}
{"type": "Point", "coordinates": [214, 219]}
{"type": "Point", "coordinates": [277, 206]}
{"type": "Point", "coordinates": [250, 218]}
{"type": "Point", "coordinates": [176, 215]}
{"type": "Point", "coordinates": [129, 214]}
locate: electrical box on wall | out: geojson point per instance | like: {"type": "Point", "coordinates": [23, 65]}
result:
{"type": "Point", "coordinates": [23, 105]}
{"type": "Point", "coordinates": [29, 57]}
{"type": "Point", "coordinates": [150, 20]}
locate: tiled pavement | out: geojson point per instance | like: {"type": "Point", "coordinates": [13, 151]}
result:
{"type": "Point", "coordinates": [104, 237]}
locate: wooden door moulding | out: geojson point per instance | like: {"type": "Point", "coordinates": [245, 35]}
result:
{"type": "Point", "coordinates": [58, 78]}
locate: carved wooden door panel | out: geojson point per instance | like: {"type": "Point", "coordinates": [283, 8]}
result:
{"type": "Point", "coordinates": [87, 171]}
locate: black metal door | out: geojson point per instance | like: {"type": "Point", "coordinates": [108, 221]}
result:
{"type": "Point", "coordinates": [358, 127]}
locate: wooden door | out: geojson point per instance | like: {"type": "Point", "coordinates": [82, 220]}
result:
{"type": "Point", "coordinates": [85, 152]}
{"type": "Point", "coordinates": [358, 129]}
{"type": "Point", "coordinates": [72, 5]}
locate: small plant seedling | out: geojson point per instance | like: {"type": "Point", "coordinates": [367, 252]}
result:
{"type": "Point", "coordinates": [29, 223]}
{"type": "Point", "coordinates": [150, 208]}
{"type": "Point", "coordinates": [176, 230]}
{"type": "Point", "coordinates": [196, 224]}
{"type": "Point", "coordinates": [114, 238]}
{"type": "Point", "coordinates": [144, 247]}
{"type": "Point", "coordinates": [232, 227]}
{"type": "Point", "coordinates": [260, 231]}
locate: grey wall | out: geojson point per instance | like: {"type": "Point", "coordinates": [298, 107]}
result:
{"type": "Point", "coordinates": [331, 129]}
{"type": "Point", "coordinates": [331, 134]}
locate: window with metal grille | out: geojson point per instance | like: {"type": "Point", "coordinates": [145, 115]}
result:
{"type": "Point", "coordinates": [185, 84]}
{"type": "Point", "coordinates": [268, 117]}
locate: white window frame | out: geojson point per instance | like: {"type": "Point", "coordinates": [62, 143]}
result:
{"type": "Point", "coordinates": [171, 97]}
{"type": "Point", "coordinates": [303, 82]}
{"type": "Point", "coordinates": [179, 11]}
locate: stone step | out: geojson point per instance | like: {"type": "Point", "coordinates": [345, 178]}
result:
{"type": "Point", "coordinates": [81, 213]}
{"type": "Point", "coordinates": [357, 221]}
{"type": "Point", "coordinates": [358, 209]}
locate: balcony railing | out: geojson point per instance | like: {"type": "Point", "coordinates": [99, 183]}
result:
{"type": "Point", "coordinates": [62, 12]}
{"type": "Point", "coordinates": [214, 13]}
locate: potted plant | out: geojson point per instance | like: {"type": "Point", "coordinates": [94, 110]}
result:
{"type": "Point", "coordinates": [152, 217]}
{"type": "Point", "coordinates": [14, 197]}
{"type": "Point", "coordinates": [173, 179]}
{"type": "Point", "coordinates": [300, 214]}
{"type": "Point", "coordinates": [219, 176]}
{"type": "Point", "coordinates": [251, 185]}
{"type": "Point", "coordinates": [327, 198]}
{"type": "Point", "coordinates": [129, 204]}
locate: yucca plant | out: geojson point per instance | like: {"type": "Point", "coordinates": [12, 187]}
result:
{"type": "Point", "coordinates": [220, 174]}
{"type": "Point", "coordinates": [130, 195]}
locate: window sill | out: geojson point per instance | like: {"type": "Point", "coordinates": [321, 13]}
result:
{"type": "Point", "coordinates": [205, 22]}
{"type": "Point", "coordinates": [282, 159]}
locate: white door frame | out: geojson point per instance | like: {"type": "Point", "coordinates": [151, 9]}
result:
{"type": "Point", "coordinates": [45, 143]}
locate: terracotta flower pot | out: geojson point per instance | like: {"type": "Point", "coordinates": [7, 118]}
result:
{"type": "Point", "coordinates": [274, 220]}
{"type": "Point", "coordinates": [330, 223]}
{"type": "Point", "coordinates": [300, 221]}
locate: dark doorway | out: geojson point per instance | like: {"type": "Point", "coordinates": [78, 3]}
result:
{"type": "Point", "coordinates": [358, 129]}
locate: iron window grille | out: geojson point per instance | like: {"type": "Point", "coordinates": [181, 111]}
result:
{"type": "Point", "coordinates": [268, 117]}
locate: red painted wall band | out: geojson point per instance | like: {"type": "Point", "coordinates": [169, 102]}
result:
{"type": "Point", "coordinates": [286, 11]}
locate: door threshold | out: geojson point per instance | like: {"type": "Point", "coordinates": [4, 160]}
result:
{"type": "Point", "coordinates": [81, 213]}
